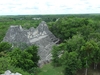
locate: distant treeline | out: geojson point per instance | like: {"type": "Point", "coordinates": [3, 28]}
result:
{"type": "Point", "coordinates": [48, 18]}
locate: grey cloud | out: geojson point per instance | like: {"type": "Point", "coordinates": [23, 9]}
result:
{"type": "Point", "coordinates": [69, 8]}
{"type": "Point", "coordinates": [29, 8]}
{"type": "Point", "coordinates": [78, 4]}
{"type": "Point", "coordinates": [49, 4]}
{"type": "Point", "coordinates": [35, 8]}
{"type": "Point", "coordinates": [98, 7]}
{"type": "Point", "coordinates": [63, 6]}
{"type": "Point", "coordinates": [86, 2]}
{"type": "Point", "coordinates": [1, 4]}
{"type": "Point", "coordinates": [14, 4]}
{"type": "Point", "coordinates": [83, 0]}
{"type": "Point", "coordinates": [90, 6]}
{"type": "Point", "coordinates": [1, 10]}
{"type": "Point", "coordinates": [11, 7]}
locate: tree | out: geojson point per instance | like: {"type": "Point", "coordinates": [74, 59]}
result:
{"type": "Point", "coordinates": [70, 62]}
{"type": "Point", "coordinates": [96, 53]}
{"type": "Point", "coordinates": [88, 54]}
{"type": "Point", "coordinates": [21, 59]}
{"type": "Point", "coordinates": [55, 58]}
{"type": "Point", "coordinates": [4, 64]}
{"type": "Point", "coordinates": [85, 30]}
{"type": "Point", "coordinates": [74, 43]}
{"type": "Point", "coordinates": [70, 45]}
{"type": "Point", "coordinates": [25, 59]}
{"type": "Point", "coordinates": [4, 48]}
{"type": "Point", "coordinates": [65, 28]}
{"type": "Point", "coordinates": [94, 36]}
{"type": "Point", "coordinates": [33, 50]}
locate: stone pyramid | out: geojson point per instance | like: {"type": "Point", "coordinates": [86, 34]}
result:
{"type": "Point", "coordinates": [41, 36]}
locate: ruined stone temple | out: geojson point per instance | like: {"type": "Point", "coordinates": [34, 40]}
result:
{"type": "Point", "coordinates": [41, 36]}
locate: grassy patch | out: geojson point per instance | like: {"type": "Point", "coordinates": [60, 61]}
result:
{"type": "Point", "coordinates": [48, 69]}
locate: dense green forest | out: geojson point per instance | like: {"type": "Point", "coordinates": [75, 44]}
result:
{"type": "Point", "coordinates": [78, 48]}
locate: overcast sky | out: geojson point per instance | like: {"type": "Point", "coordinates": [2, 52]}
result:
{"type": "Point", "coordinates": [32, 7]}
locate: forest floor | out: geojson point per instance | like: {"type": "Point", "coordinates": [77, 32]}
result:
{"type": "Point", "coordinates": [91, 71]}
{"type": "Point", "coordinates": [48, 69]}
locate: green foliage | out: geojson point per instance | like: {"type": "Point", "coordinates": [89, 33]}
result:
{"type": "Point", "coordinates": [76, 52]}
{"type": "Point", "coordinates": [74, 43]}
{"type": "Point", "coordinates": [48, 69]}
{"type": "Point", "coordinates": [33, 50]}
{"type": "Point", "coordinates": [56, 54]}
{"type": "Point", "coordinates": [94, 36]}
{"type": "Point", "coordinates": [20, 45]}
{"type": "Point", "coordinates": [4, 48]}
{"type": "Point", "coordinates": [4, 64]}
{"type": "Point", "coordinates": [71, 63]}
{"type": "Point", "coordinates": [55, 58]}
{"type": "Point", "coordinates": [30, 58]}
{"type": "Point", "coordinates": [17, 60]}
{"type": "Point", "coordinates": [67, 27]}
{"type": "Point", "coordinates": [86, 31]}
{"type": "Point", "coordinates": [90, 53]}
{"type": "Point", "coordinates": [19, 70]}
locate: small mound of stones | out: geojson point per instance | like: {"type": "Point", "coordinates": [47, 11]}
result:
{"type": "Point", "coordinates": [8, 72]}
